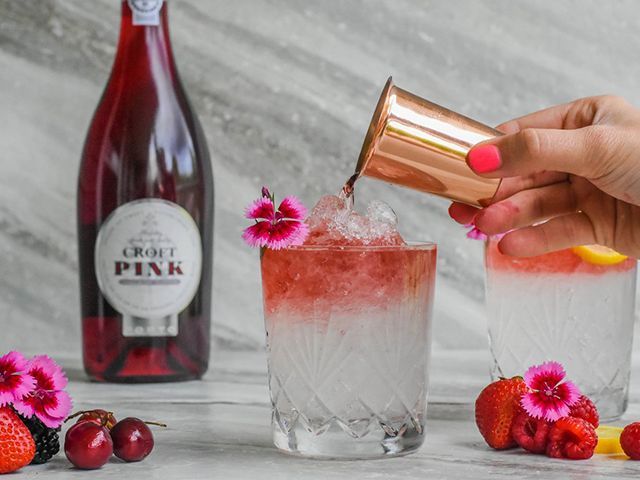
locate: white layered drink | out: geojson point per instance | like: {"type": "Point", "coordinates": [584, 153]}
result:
{"type": "Point", "coordinates": [562, 307]}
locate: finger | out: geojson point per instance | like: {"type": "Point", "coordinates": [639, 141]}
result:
{"type": "Point", "coordinates": [527, 208]}
{"type": "Point", "coordinates": [465, 214]}
{"type": "Point", "coordinates": [513, 185]}
{"type": "Point", "coordinates": [532, 151]}
{"type": "Point", "coordinates": [577, 114]}
{"type": "Point", "coordinates": [552, 117]}
{"type": "Point", "coordinates": [556, 234]}
{"type": "Point", "coordinates": [462, 213]}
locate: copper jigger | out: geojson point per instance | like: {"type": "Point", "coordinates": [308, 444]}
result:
{"type": "Point", "coordinates": [421, 145]}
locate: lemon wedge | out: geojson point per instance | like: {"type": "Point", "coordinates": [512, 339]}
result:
{"type": "Point", "coordinates": [599, 255]}
{"type": "Point", "coordinates": [609, 440]}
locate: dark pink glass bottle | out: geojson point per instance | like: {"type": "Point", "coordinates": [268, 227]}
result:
{"type": "Point", "coordinates": [145, 216]}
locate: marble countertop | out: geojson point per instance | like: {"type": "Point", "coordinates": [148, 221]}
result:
{"type": "Point", "coordinates": [219, 428]}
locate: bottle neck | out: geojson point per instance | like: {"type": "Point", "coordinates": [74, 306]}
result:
{"type": "Point", "coordinates": [144, 49]}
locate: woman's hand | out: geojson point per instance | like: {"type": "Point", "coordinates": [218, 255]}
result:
{"type": "Point", "coordinates": [575, 167]}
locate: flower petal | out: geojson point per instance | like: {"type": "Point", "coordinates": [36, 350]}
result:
{"type": "Point", "coordinates": [25, 406]}
{"type": "Point", "coordinates": [300, 235]}
{"type": "Point", "coordinates": [6, 396]}
{"type": "Point", "coordinates": [13, 362]}
{"type": "Point", "coordinates": [475, 234]}
{"type": "Point", "coordinates": [49, 421]}
{"type": "Point", "coordinates": [260, 209]}
{"type": "Point", "coordinates": [555, 409]}
{"type": "Point", "coordinates": [292, 208]}
{"type": "Point", "coordinates": [24, 386]}
{"type": "Point", "coordinates": [569, 392]}
{"type": "Point", "coordinates": [532, 405]}
{"type": "Point", "coordinates": [547, 373]}
{"type": "Point", "coordinates": [257, 235]}
{"type": "Point", "coordinates": [16, 383]}
{"type": "Point", "coordinates": [285, 233]}
{"type": "Point", "coordinates": [59, 405]}
{"type": "Point", "coordinates": [46, 370]}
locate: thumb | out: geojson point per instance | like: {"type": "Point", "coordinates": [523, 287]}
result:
{"type": "Point", "coordinates": [534, 150]}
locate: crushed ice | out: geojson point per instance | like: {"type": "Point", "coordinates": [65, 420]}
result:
{"type": "Point", "coordinates": [334, 221]}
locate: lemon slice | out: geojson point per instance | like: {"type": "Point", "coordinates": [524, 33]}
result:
{"type": "Point", "coordinates": [599, 255]}
{"type": "Point", "coordinates": [609, 440]}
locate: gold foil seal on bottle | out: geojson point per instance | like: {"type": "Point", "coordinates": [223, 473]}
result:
{"type": "Point", "coordinates": [420, 145]}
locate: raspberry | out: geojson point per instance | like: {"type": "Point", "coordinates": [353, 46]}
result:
{"type": "Point", "coordinates": [572, 438]}
{"type": "Point", "coordinates": [531, 433]}
{"type": "Point", "coordinates": [630, 440]}
{"type": "Point", "coordinates": [584, 408]}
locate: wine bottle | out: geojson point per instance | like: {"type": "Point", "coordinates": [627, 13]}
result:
{"type": "Point", "coordinates": [145, 216]}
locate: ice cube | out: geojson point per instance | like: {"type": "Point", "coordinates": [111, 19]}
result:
{"type": "Point", "coordinates": [355, 227]}
{"type": "Point", "coordinates": [328, 209]}
{"type": "Point", "coordinates": [334, 222]}
{"type": "Point", "coordinates": [380, 212]}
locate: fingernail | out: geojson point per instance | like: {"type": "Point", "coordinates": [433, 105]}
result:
{"type": "Point", "coordinates": [451, 213]}
{"type": "Point", "coordinates": [484, 158]}
{"type": "Point", "coordinates": [476, 219]}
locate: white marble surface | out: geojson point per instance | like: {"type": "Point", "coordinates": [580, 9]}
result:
{"type": "Point", "coordinates": [219, 428]}
{"type": "Point", "coordinates": [284, 89]}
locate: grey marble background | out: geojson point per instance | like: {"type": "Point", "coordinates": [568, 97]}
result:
{"type": "Point", "coordinates": [284, 90]}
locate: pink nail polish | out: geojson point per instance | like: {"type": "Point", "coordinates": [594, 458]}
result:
{"type": "Point", "coordinates": [484, 158]}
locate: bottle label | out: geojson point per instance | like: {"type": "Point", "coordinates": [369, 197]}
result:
{"type": "Point", "coordinates": [148, 263]}
{"type": "Point", "coordinates": [146, 12]}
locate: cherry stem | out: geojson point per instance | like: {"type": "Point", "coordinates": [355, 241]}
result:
{"type": "Point", "coordinates": [104, 420]}
{"type": "Point", "coordinates": [157, 424]}
{"type": "Point", "coordinates": [82, 412]}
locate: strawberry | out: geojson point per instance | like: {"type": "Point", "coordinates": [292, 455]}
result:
{"type": "Point", "coordinates": [496, 408]}
{"type": "Point", "coordinates": [531, 433]}
{"type": "Point", "coordinates": [17, 447]}
{"type": "Point", "coordinates": [630, 440]}
{"type": "Point", "coordinates": [584, 408]}
{"type": "Point", "coordinates": [572, 438]}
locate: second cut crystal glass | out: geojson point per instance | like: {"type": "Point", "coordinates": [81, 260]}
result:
{"type": "Point", "coordinates": [560, 307]}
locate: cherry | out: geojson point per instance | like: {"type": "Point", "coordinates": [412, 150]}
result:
{"type": "Point", "coordinates": [88, 445]}
{"type": "Point", "coordinates": [132, 439]}
{"type": "Point", "coordinates": [98, 416]}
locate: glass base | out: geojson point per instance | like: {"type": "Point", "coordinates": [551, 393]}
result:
{"type": "Point", "coordinates": [611, 404]}
{"type": "Point", "coordinates": [335, 443]}
{"type": "Point", "coordinates": [181, 377]}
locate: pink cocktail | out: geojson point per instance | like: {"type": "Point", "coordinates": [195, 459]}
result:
{"type": "Point", "coordinates": [348, 321]}
{"type": "Point", "coordinates": [561, 307]}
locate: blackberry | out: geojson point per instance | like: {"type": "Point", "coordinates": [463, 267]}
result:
{"type": "Point", "coordinates": [47, 440]}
